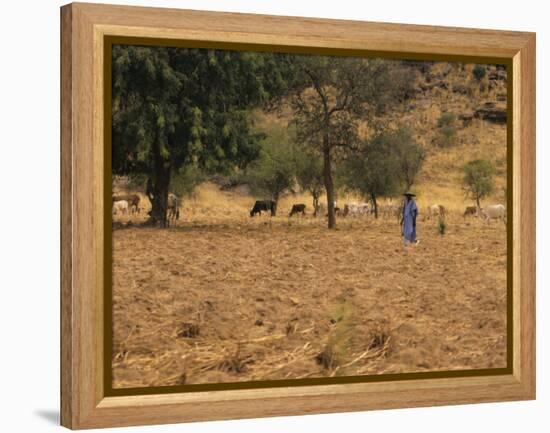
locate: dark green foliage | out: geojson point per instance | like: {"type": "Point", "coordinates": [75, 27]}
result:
{"type": "Point", "coordinates": [478, 179]}
{"type": "Point", "coordinates": [174, 107]}
{"type": "Point", "coordinates": [479, 72]}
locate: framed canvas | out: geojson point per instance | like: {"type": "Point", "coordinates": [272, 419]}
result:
{"type": "Point", "coordinates": [266, 215]}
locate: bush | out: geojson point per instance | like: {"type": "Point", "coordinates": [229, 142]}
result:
{"type": "Point", "coordinates": [478, 179]}
{"type": "Point", "coordinates": [447, 130]}
{"type": "Point", "coordinates": [446, 119]}
{"type": "Point", "coordinates": [479, 72]}
{"type": "Point", "coordinates": [448, 136]}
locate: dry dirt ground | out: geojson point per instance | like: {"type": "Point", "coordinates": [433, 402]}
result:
{"type": "Point", "coordinates": [222, 297]}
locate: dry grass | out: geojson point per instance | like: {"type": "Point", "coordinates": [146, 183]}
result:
{"type": "Point", "coordinates": [223, 297]}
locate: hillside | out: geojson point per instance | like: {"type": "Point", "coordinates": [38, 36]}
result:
{"type": "Point", "coordinates": [442, 88]}
{"type": "Point", "coordinates": [224, 296]}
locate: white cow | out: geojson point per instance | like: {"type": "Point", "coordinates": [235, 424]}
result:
{"type": "Point", "coordinates": [356, 209]}
{"type": "Point", "coordinates": [435, 210]}
{"type": "Point", "coordinates": [120, 206]}
{"type": "Point", "coordinates": [495, 211]}
{"type": "Point", "coordinates": [173, 207]}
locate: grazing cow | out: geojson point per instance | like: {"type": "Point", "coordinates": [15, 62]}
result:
{"type": "Point", "coordinates": [120, 206]}
{"type": "Point", "coordinates": [356, 209]}
{"type": "Point", "coordinates": [172, 207]}
{"type": "Point", "coordinates": [263, 205]}
{"type": "Point", "coordinates": [298, 208]}
{"type": "Point", "coordinates": [495, 211]}
{"type": "Point", "coordinates": [470, 210]}
{"type": "Point", "coordinates": [435, 210]}
{"type": "Point", "coordinates": [132, 199]}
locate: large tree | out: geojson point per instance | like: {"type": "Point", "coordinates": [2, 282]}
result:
{"type": "Point", "coordinates": [174, 107]}
{"type": "Point", "coordinates": [331, 96]}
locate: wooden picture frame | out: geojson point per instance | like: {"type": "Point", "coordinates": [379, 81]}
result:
{"type": "Point", "coordinates": [84, 29]}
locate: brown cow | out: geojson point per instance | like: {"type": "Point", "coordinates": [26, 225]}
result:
{"type": "Point", "coordinates": [470, 210]}
{"type": "Point", "coordinates": [435, 210]}
{"type": "Point", "coordinates": [132, 199]}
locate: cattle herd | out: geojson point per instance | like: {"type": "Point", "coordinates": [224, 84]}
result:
{"type": "Point", "coordinates": [389, 210]}
{"type": "Point", "coordinates": [129, 204]}
{"type": "Point", "coordinates": [126, 204]}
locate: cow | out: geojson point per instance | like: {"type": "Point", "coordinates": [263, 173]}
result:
{"type": "Point", "coordinates": [120, 206]}
{"type": "Point", "coordinates": [298, 208]}
{"type": "Point", "coordinates": [172, 207]}
{"type": "Point", "coordinates": [356, 209]}
{"type": "Point", "coordinates": [132, 199]}
{"type": "Point", "coordinates": [470, 210]}
{"type": "Point", "coordinates": [263, 205]}
{"type": "Point", "coordinates": [435, 210]}
{"type": "Point", "coordinates": [495, 211]}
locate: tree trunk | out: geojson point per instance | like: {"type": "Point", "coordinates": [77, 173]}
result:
{"type": "Point", "coordinates": [374, 204]}
{"type": "Point", "coordinates": [276, 200]}
{"type": "Point", "coordinates": [315, 203]}
{"type": "Point", "coordinates": [157, 189]}
{"type": "Point", "coordinates": [159, 199]}
{"type": "Point", "coordinates": [478, 204]}
{"type": "Point", "coordinates": [329, 183]}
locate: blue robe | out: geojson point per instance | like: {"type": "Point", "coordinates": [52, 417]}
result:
{"type": "Point", "coordinates": [410, 211]}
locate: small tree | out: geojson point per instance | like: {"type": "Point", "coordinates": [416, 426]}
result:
{"type": "Point", "coordinates": [373, 171]}
{"type": "Point", "coordinates": [273, 173]}
{"type": "Point", "coordinates": [410, 156]}
{"type": "Point", "coordinates": [309, 173]}
{"type": "Point", "coordinates": [478, 179]}
{"type": "Point", "coordinates": [479, 72]}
